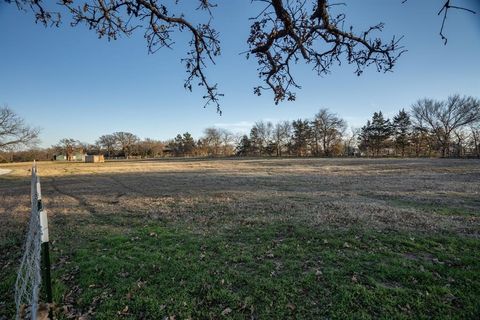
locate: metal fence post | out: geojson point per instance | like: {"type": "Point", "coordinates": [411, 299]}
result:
{"type": "Point", "coordinates": [46, 268]}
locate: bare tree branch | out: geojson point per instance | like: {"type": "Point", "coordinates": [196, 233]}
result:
{"type": "Point", "coordinates": [284, 33]}
{"type": "Point", "coordinates": [14, 132]}
{"type": "Point", "coordinates": [114, 18]}
{"type": "Point", "coordinates": [292, 31]}
{"type": "Point", "coordinates": [445, 7]}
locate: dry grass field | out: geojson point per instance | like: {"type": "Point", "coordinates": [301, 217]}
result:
{"type": "Point", "coordinates": [253, 238]}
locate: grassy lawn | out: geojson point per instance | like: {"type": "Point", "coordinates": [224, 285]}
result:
{"type": "Point", "coordinates": [264, 271]}
{"type": "Point", "coordinates": [205, 245]}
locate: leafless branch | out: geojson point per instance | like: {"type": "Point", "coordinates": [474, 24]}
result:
{"type": "Point", "coordinates": [284, 33]}
{"type": "Point", "coordinates": [292, 31]}
{"type": "Point", "coordinates": [446, 6]}
{"type": "Point", "coordinates": [114, 18]}
{"type": "Point", "coordinates": [13, 130]}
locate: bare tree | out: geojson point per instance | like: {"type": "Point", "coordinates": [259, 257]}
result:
{"type": "Point", "coordinates": [284, 33]}
{"type": "Point", "coordinates": [126, 141]}
{"type": "Point", "coordinates": [67, 146]}
{"type": "Point", "coordinates": [212, 141]}
{"type": "Point", "coordinates": [327, 128]}
{"type": "Point", "coordinates": [442, 118]}
{"type": "Point", "coordinates": [150, 148]}
{"type": "Point", "coordinates": [261, 135]}
{"type": "Point", "coordinates": [109, 143]}
{"type": "Point", "coordinates": [350, 141]}
{"type": "Point", "coordinates": [89, 148]}
{"type": "Point", "coordinates": [14, 132]}
{"type": "Point", "coordinates": [475, 138]}
{"type": "Point", "coordinates": [282, 132]}
{"type": "Point", "coordinates": [459, 143]}
{"type": "Point", "coordinates": [227, 140]}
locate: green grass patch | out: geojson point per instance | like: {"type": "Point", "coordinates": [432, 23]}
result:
{"type": "Point", "coordinates": [273, 272]}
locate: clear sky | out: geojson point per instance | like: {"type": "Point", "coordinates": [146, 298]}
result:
{"type": "Point", "coordinates": [71, 84]}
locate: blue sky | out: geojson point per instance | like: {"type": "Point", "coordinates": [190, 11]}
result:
{"type": "Point", "coordinates": [71, 84]}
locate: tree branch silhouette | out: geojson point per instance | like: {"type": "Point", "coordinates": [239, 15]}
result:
{"type": "Point", "coordinates": [284, 33]}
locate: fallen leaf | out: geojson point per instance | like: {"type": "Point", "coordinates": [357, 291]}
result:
{"type": "Point", "coordinates": [226, 311]}
{"type": "Point", "coordinates": [124, 311]}
{"type": "Point", "coordinates": [291, 306]}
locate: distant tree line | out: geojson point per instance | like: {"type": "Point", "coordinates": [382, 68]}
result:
{"type": "Point", "coordinates": [215, 142]}
{"type": "Point", "coordinates": [324, 135]}
{"type": "Point", "coordinates": [430, 128]}
{"type": "Point", "coordinates": [449, 128]}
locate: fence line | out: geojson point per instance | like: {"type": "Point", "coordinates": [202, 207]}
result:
{"type": "Point", "coordinates": [35, 257]}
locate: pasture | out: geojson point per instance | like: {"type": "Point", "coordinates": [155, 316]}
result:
{"type": "Point", "coordinates": [253, 238]}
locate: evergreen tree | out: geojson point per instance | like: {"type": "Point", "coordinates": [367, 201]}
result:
{"type": "Point", "coordinates": [302, 134]}
{"type": "Point", "coordinates": [402, 130]}
{"type": "Point", "coordinates": [177, 145]}
{"type": "Point", "coordinates": [255, 141]}
{"type": "Point", "coordinates": [188, 144]}
{"type": "Point", "coordinates": [244, 147]}
{"type": "Point", "coordinates": [364, 138]}
{"type": "Point", "coordinates": [380, 131]}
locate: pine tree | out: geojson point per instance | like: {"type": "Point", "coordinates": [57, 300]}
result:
{"type": "Point", "coordinates": [302, 134]}
{"type": "Point", "coordinates": [380, 132]}
{"type": "Point", "coordinates": [188, 144]}
{"type": "Point", "coordinates": [177, 145]}
{"type": "Point", "coordinates": [364, 138]}
{"type": "Point", "coordinates": [256, 146]}
{"type": "Point", "coordinates": [402, 127]}
{"type": "Point", "coordinates": [244, 148]}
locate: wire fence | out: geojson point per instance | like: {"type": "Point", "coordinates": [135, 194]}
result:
{"type": "Point", "coordinates": [29, 277]}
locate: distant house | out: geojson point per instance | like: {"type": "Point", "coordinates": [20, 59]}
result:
{"type": "Point", "coordinates": [94, 158]}
{"type": "Point", "coordinates": [77, 156]}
